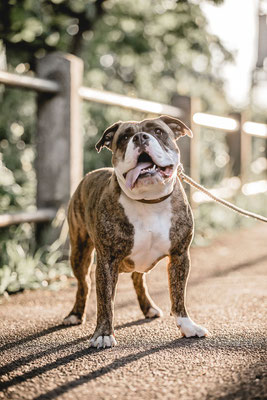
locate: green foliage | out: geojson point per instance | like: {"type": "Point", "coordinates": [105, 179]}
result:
{"type": "Point", "coordinates": [152, 50]}
{"type": "Point", "coordinates": [24, 267]}
{"type": "Point", "coordinates": [17, 153]}
{"type": "Point", "coordinates": [32, 28]}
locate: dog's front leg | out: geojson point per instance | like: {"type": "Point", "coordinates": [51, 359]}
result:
{"type": "Point", "coordinates": [106, 282]}
{"type": "Point", "coordinates": [178, 270]}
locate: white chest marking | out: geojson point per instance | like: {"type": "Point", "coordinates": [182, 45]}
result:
{"type": "Point", "coordinates": [152, 223]}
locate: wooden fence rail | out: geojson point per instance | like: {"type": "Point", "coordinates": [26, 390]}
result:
{"type": "Point", "coordinates": [59, 141]}
{"type": "Point", "coordinates": [28, 82]}
{"type": "Point", "coordinates": [37, 216]}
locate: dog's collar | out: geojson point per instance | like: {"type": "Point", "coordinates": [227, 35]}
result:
{"type": "Point", "coordinates": [153, 201]}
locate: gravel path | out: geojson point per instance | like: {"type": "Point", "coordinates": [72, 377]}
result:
{"type": "Point", "coordinates": [40, 359]}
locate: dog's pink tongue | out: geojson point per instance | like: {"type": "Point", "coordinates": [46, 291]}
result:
{"type": "Point", "coordinates": [133, 174]}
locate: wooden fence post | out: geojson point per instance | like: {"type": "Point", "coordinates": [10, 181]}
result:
{"type": "Point", "coordinates": [184, 103]}
{"type": "Point", "coordinates": [195, 172]}
{"type": "Point", "coordinates": [189, 147]}
{"type": "Point", "coordinates": [233, 140]}
{"type": "Point", "coordinates": [246, 149]}
{"type": "Point", "coordinates": [59, 163]}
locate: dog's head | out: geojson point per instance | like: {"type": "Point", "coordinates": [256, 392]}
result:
{"type": "Point", "coordinates": [145, 154]}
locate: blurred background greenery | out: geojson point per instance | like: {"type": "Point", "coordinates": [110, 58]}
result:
{"type": "Point", "coordinates": [148, 49]}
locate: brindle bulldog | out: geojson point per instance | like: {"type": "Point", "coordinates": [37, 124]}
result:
{"type": "Point", "coordinates": [133, 215]}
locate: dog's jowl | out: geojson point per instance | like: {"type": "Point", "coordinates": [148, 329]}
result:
{"type": "Point", "coordinates": [133, 215]}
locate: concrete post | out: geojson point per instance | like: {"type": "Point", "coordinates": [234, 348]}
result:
{"type": "Point", "coordinates": [59, 163]}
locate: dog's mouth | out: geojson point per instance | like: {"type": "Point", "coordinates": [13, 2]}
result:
{"type": "Point", "coordinates": [146, 167]}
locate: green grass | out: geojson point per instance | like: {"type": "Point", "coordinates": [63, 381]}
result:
{"type": "Point", "coordinates": [25, 267]}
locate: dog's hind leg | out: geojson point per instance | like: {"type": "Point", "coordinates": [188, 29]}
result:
{"type": "Point", "coordinates": [147, 305]}
{"type": "Point", "coordinates": [81, 259]}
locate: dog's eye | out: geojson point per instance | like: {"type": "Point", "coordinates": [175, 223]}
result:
{"type": "Point", "coordinates": [123, 138]}
{"type": "Point", "coordinates": [158, 131]}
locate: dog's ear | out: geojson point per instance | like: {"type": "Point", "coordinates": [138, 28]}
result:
{"type": "Point", "coordinates": [178, 127]}
{"type": "Point", "coordinates": [107, 137]}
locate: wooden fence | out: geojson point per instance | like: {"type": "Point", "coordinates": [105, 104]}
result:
{"type": "Point", "coordinates": [59, 139]}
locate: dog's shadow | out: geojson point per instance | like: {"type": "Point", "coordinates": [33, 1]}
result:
{"type": "Point", "coordinates": [30, 338]}
{"type": "Point", "coordinates": [77, 354]}
{"type": "Point", "coordinates": [38, 370]}
{"type": "Point", "coordinates": [140, 321]}
{"type": "Point", "coordinates": [30, 358]}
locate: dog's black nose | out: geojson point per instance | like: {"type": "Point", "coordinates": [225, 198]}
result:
{"type": "Point", "coordinates": [140, 138]}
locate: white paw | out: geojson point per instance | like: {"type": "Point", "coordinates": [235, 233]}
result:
{"type": "Point", "coordinates": [154, 313]}
{"type": "Point", "coordinates": [189, 328]}
{"type": "Point", "coordinates": [72, 320]}
{"type": "Point", "coordinates": [103, 342]}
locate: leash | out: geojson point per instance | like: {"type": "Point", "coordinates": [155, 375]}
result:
{"type": "Point", "coordinates": [190, 181]}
